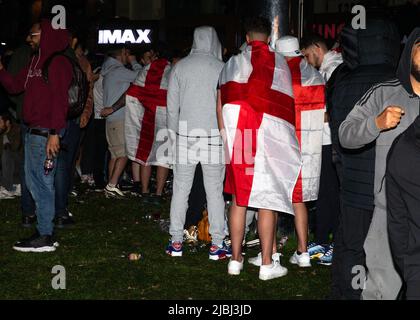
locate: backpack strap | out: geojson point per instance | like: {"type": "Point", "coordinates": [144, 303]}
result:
{"type": "Point", "coordinates": [46, 66]}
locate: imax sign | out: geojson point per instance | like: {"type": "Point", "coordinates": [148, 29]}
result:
{"type": "Point", "coordinates": [124, 36]}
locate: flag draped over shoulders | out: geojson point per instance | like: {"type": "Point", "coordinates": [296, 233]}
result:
{"type": "Point", "coordinates": [259, 118]}
{"type": "Point", "coordinates": [145, 122]}
{"type": "Point", "coordinates": [309, 93]}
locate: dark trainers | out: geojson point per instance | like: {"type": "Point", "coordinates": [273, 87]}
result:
{"type": "Point", "coordinates": [136, 190]}
{"type": "Point", "coordinates": [146, 198]}
{"type": "Point", "coordinates": [63, 222]}
{"type": "Point", "coordinates": [156, 200]}
{"type": "Point", "coordinates": [28, 221]}
{"type": "Point", "coordinates": [36, 243]}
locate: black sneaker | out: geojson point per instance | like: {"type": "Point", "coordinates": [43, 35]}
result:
{"type": "Point", "coordinates": [28, 221]}
{"type": "Point", "coordinates": [63, 222]}
{"type": "Point", "coordinates": [156, 200]}
{"type": "Point", "coordinates": [36, 243]}
{"type": "Point", "coordinates": [146, 198]}
{"type": "Point", "coordinates": [98, 189]}
{"type": "Point", "coordinates": [136, 190]}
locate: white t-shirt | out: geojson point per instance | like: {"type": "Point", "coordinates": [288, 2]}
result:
{"type": "Point", "coordinates": [98, 92]}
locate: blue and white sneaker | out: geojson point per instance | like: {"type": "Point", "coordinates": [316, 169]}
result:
{"type": "Point", "coordinates": [220, 253]}
{"type": "Point", "coordinates": [315, 250]}
{"type": "Point", "coordinates": [326, 259]}
{"type": "Point", "coordinates": [174, 249]}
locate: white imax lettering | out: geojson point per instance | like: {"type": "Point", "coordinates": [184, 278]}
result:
{"type": "Point", "coordinates": [120, 37]}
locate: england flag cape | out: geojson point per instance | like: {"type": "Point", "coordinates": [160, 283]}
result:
{"type": "Point", "coordinates": [309, 93]}
{"type": "Point", "coordinates": [264, 158]}
{"type": "Point", "coordinates": [145, 121]}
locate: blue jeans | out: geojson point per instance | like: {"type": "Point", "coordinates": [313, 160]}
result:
{"type": "Point", "coordinates": [41, 186]}
{"type": "Point", "coordinates": [26, 202]}
{"type": "Point", "coordinates": [65, 167]}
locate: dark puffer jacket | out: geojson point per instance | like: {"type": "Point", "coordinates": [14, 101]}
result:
{"type": "Point", "coordinates": [370, 57]}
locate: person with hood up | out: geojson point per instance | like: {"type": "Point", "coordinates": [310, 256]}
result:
{"type": "Point", "coordinates": [379, 43]}
{"type": "Point", "coordinates": [381, 115]}
{"type": "Point", "coordinates": [44, 112]}
{"type": "Point", "coordinates": [403, 195]}
{"type": "Point", "coordinates": [116, 80]}
{"type": "Point", "coordinates": [192, 121]}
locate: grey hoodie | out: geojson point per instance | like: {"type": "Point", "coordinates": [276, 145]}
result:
{"type": "Point", "coordinates": [116, 80]}
{"type": "Point", "coordinates": [192, 93]}
{"type": "Point", "coordinates": [359, 128]}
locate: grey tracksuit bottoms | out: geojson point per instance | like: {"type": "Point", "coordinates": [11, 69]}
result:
{"type": "Point", "coordinates": [213, 176]}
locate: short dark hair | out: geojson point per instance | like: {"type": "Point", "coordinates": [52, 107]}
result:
{"type": "Point", "coordinates": [162, 50]}
{"type": "Point", "coordinates": [115, 51]}
{"type": "Point", "coordinates": [313, 40]}
{"type": "Point", "coordinates": [259, 25]}
{"type": "Point", "coordinates": [6, 116]}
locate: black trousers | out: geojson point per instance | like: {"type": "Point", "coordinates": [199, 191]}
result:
{"type": "Point", "coordinates": [197, 199]}
{"type": "Point", "coordinates": [100, 150]}
{"type": "Point", "coordinates": [87, 162]}
{"type": "Point", "coordinates": [350, 237]}
{"type": "Point", "coordinates": [328, 203]}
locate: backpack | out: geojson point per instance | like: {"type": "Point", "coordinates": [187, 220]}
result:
{"type": "Point", "coordinates": [79, 87]}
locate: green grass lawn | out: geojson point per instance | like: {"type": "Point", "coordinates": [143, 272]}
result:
{"type": "Point", "coordinates": [95, 256]}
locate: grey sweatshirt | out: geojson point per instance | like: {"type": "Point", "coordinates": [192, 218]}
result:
{"type": "Point", "coordinates": [192, 92]}
{"type": "Point", "coordinates": [116, 80]}
{"type": "Point", "coordinates": [359, 128]}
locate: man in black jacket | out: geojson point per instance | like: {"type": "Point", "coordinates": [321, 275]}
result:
{"type": "Point", "coordinates": [403, 195]}
{"type": "Point", "coordinates": [370, 57]}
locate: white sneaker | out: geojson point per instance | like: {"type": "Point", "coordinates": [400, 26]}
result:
{"type": "Point", "coordinates": [84, 179]}
{"type": "Point", "coordinates": [235, 267]}
{"type": "Point", "coordinates": [303, 260]}
{"type": "Point", "coordinates": [272, 271]}
{"type": "Point", "coordinates": [257, 261]}
{"type": "Point", "coordinates": [6, 195]}
{"type": "Point", "coordinates": [113, 191]}
{"type": "Point", "coordinates": [18, 190]}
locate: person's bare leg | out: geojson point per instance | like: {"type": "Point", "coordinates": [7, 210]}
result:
{"type": "Point", "coordinates": [135, 171]}
{"type": "Point", "coordinates": [161, 175]}
{"type": "Point", "coordinates": [301, 225]}
{"type": "Point", "coordinates": [266, 220]}
{"type": "Point", "coordinates": [237, 229]}
{"type": "Point", "coordinates": [146, 172]}
{"type": "Point", "coordinates": [111, 166]}
{"type": "Point", "coordinates": [118, 170]}
{"type": "Point", "coordinates": [276, 218]}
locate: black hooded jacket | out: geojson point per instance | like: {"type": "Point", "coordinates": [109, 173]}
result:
{"type": "Point", "coordinates": [370, 57]}
{"type": "Point", "coordinates": [403, 184]}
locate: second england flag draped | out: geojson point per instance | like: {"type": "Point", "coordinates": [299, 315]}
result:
{"type": "Point", "coordinates": [145, 121]}
{"type": "Point", "coordinates": [309, 93]}
{"type": "Point", "coordinates": [259, 118]}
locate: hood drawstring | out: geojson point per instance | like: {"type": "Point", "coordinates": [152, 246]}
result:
{"type": "Point", "coordinates": [39, 58]}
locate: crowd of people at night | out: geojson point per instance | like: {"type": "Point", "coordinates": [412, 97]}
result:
{"type": "Point", "coordinates": [284, 125]}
